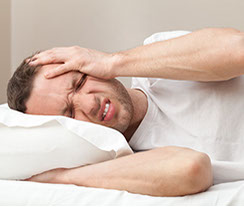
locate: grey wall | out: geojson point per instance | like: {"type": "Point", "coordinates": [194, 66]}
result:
{"type": "Point", "coordinates": [5, 55]}
{"type": "Point", "coordinates": [107, 25]}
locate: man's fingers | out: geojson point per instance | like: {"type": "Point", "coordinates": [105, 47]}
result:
{"type": "Point", "coordinates": [57, 71]}
{"type": "Point", "coordinates": [47, 57]}
{"type": "Point", "coordinates": [42, 60]}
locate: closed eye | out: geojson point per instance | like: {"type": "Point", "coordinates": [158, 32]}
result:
{"type": "Point", "coordinates": [80, 83]}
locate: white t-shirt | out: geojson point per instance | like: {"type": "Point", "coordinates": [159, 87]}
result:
{"type": "Point", "coordinates": [205, 116]}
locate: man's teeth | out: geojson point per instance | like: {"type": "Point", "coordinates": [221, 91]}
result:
{"type": "Point", "coordinates": [106, 110]}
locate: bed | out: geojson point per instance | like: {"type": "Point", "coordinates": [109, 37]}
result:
{"type": "Point", "coordinates": [30, 193]}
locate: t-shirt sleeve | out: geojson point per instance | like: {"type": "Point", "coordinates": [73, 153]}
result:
{"type": "Point", "coordinates": [161, 36]}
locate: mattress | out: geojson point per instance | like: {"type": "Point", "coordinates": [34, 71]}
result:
{"type": "Point", "coordinates": [31, 193]}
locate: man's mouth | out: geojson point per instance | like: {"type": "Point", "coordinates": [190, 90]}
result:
{"type": "Point", "coordinates": [107, 110]}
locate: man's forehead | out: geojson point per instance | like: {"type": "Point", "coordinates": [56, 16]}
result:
{"type": "Point", "coordinates": [54, 88]}
{"type": "Point", "coordinates": [50, 67]}
{"type": "Point", "coordinates": [67, 79]}
{"type": "Point", "coordinates": [49, 96]}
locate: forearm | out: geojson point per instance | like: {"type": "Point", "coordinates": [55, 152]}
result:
{"type": "Point", "coordinates": [204, 55]}
{"type": "Point", "coordinates": [159, 172]}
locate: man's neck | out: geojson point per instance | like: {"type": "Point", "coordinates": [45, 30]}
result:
{"type": "Point", "coordinates": [140, 104]}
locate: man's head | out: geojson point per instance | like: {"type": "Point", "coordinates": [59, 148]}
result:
{"type": "Point", "coordinates": [73, 94]}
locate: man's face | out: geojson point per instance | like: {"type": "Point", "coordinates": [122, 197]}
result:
{"type": "Point", "coordinates": [81, 97]}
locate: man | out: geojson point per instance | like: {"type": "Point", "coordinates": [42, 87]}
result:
{"type": "Point", "coordinates": [92, 94]}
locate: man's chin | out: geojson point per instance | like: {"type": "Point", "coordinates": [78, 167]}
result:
{"type": "Point", "coordinates": [122, 126]}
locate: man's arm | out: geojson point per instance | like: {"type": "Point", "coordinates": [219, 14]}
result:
{"type": "Point", "coordinates": [212, 54]}
{"type": "Point", "coordinates": [166, 171]}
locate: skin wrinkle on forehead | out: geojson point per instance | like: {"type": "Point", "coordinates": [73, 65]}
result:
{"type": "Point", "coordinates": [74, 79]}
{"type": "Point", "coordinates": [66, 87]}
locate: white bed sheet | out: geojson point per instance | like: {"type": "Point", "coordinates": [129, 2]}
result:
{"type": "Point", "coordinates": [31, 193]}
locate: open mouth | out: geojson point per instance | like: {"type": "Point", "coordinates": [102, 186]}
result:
{"type": "Point", "coordinates": [106, 110]}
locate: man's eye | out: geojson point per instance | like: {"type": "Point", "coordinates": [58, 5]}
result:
{"type": "Point", "coordinates": [81, 83]}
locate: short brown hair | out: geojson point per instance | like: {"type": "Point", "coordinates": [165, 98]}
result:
{"type": "Point", "coordinates": [20, 85]}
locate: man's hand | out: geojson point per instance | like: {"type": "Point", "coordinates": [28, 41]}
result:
{"type": "Point", "coordinates": [51, 176]}
{"type": "Point", "coordinates": [166, 171]}
{"type": "Point", "coordinates": [92, 62]}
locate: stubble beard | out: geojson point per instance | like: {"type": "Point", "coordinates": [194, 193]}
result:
{"type": "Point", "coordinates": [127, 109]}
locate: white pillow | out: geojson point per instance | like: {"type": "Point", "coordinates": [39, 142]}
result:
{"type": "Point", "coordinates": [31, 144]}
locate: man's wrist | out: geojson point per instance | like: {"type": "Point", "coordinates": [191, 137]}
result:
{"type": "Point", "coordinates": [118, 61]}
{"type": "Point", "coordinates": [131, 63]}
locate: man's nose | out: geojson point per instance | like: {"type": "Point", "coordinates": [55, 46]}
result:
{"type": "Point", "coordinates": [87, 103]}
